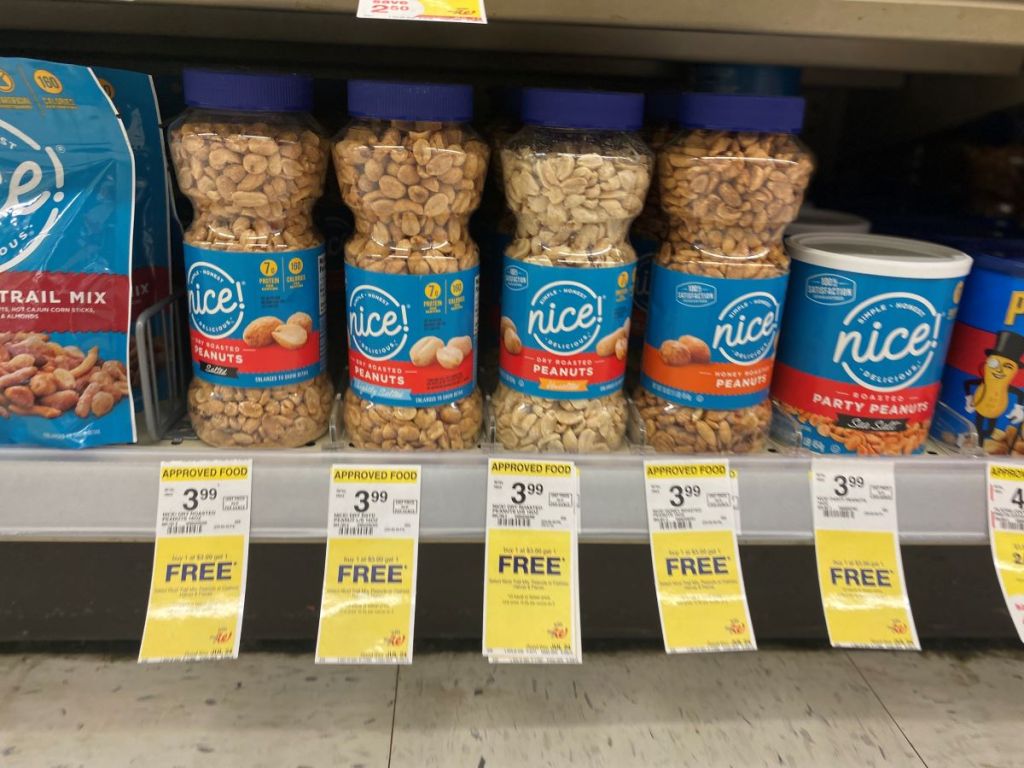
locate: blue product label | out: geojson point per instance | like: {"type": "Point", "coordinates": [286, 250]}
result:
{"type": "Point", "coordinates": [565, 329]}
{"type": "Point", "coordinates": [256, 319]}
{"type": "Point", "coordinates": [864, 353]}
{"type": "Point", "coordinates": [711, 341]}
{"type": "Point", "coordinates": [646, 250]}
{"type": "Point", "coordinates": [135, 100]}
{"type": "Point", "coordinates": [983, 380]}
{"type": "Point", "coordinates": [67, 192]}
{"type": "Point", "coordinates": [412, 339]}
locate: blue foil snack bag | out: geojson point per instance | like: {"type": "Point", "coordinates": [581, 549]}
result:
{"type": "Point", "coordinates": [134, 98]}
{"type": "Point", "coordinates": [67, 187]}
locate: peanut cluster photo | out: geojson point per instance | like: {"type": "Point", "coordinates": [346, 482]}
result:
{"type": "Point", "coordinates": [432, 349]}
{"type": "Point", "coordinates": [39, 377]}
{"type": "Point", "coordinates": [292, 334]}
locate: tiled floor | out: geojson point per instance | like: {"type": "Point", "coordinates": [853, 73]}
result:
{"type": "Point", "coordinates": [779, 708]}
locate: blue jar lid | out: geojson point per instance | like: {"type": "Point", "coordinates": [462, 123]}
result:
{"type": "Point", "coordinates": [410, 101]}
{"type": "Point", "coordinates": [734, 112]}
{"type": "Point", "coordinates": [751, 79]}
{"type": "Point", "coordinates": [662, 106]}
{"type": "Point", "coordinates": [248, 91]}
{"type": "Point", "coordinates": [600, 110]}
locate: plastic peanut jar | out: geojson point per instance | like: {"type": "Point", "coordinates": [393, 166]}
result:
{"type": "Point", "coordinates": [412, 171]}
{"type": "Point", "coordinates": [730, 183]}
{"type": "Point", "coordinates": [252, 162]}
{"type": "Point", "coordinates": [575, 178]}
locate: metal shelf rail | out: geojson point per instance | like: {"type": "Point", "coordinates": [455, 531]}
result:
{"type": "Point", "coordinates": [110, 495]}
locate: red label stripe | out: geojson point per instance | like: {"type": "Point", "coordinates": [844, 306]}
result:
{"type": "Point", "coordinates": [61, 302]}
{"type": "Point", "coordinates": [826, 397]}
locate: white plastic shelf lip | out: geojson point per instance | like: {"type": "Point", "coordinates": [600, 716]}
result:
{"type": "Point", "coordinates": [110, 495]}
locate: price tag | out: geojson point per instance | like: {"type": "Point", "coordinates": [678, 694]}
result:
{"type": "Point", "coordinates": [369, 597]}
{"type": "Point", "coordinates": [1006, 535]}
{"type": "Point", "coordinates": [860, 568]}
{"type": "Point", "coordinates": [691, 515]}
{"type": "Point", "coordinates": [199, 566]}
{"type": "Point", "coordinates": [531, 583]}
{"type": "Point", "coordinates": [465, 11]}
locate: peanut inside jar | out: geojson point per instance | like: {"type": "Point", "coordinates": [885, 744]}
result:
{"type": "Point", "coordinates": [730, 183]}
{"type": "Point", "coordinates": [575, 178]}
{"type": "Point", "coordinates": [412, 171]}
{"type": "Point", "coordinates": [253, 164]}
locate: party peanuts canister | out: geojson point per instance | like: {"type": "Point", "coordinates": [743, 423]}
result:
{"type": "Point", "coordinates": [864, 337]}
{"type": "Point", "coordinates": [983, 380]}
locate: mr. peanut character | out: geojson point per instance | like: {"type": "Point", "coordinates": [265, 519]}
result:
{"type": "Point", "coordinates": [990, 399]}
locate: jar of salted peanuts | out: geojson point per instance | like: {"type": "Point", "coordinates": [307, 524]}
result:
{"type": "Point", "coordinates": [575, 177]}
{"type": "Point", "coordinates": [730, 183]}
{"type": "Point", "coordinates": [412, 171]}
{"type": "Point", "coordinates": [252, 162]}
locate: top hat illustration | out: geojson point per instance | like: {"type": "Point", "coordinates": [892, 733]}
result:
{"type": "Point", "coordinates": [1009, 345]}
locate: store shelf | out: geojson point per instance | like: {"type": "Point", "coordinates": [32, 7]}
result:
{"type": "Point", "coordinates": [110, 495]}
{"type": "Point", "coordinates": [900, 35]}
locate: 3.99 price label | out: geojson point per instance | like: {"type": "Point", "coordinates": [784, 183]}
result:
{"type": "Point", "coordinates": [199, 566]}
{"type": "Point", "coordinates": [369, 597]}
{"type": "Point", "coordinates": [531, 584]}
{"type": "Point", "coordinates": [860, 567]}
{"type": "Point", "coordinates": [1006, 535]}
{"type": "Point", "coordinates": [691, 515]}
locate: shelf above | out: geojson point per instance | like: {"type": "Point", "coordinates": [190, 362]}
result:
{"type": "Point", "coordinates": [956, 36]}
{"type": "Point", "coordinates": [110, 495]}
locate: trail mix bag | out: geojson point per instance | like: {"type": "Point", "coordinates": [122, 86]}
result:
{"type": "Point", "coordinates": [67, 199]}
{"type": "Point", "coordinates": [135, 100]}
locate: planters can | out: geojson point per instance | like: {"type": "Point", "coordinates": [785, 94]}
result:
{"type": "Point", "coordinates": [864, 338]}
{"type": "Point", "coordinates": [983, 380]}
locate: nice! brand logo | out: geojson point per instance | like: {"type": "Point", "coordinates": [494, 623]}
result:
{"type": "Point", "coordinates": [565, 317]}
{"type": "Point", "coordinates": [378, 323]}
{"type": "Point", "coordinates": [888, 341]}
{"type": "Point", "coordinates": [216, 300]}
{"type": "Point", "coordinates": [746, 328]}
{"type": "Point", "coordinates": [32, 190]}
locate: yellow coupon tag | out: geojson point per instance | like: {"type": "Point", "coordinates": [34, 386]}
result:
{"type": "Point", "coordinates": [691, 515]}
{"type": "Point", "coordinates": [369, 596]}
{"type": "Point", "coordinates": [199, 566]}
{"type": "Point", "coordinates": [860, 567]}
{"type": "Point", "coordinates": [465, 11]}
{"type": "Point", "coordinates": [1006, 535]}
{"type": "Point", "coordinates": [531, 582]}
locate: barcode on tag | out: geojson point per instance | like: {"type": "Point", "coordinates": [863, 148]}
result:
{"type": "Point", "coordinates": [355, 530]}
{"type": "Point", "coordinates": [187, 528]}
{"type": "Point", "coordinates": [845, 514]}
{"type": "Point", "coordinates": [506, 521]}
{"type": "Point", "coordinates": [675, 525]}
{"type": "Point", "coordinates": [1009, 525]}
